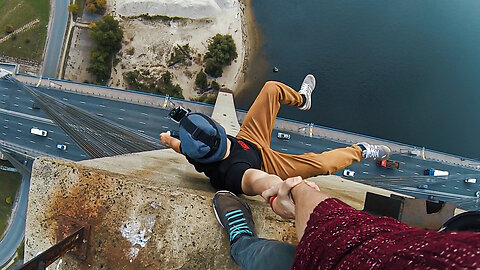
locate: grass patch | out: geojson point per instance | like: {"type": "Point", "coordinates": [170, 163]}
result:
{"type": "Point", "coordinates": [207, 98]}
{"type": "Point", "coordinates": [21, 251]}
{"type": "Point", "coordinates": [9, 185]}
{"type": "Point", "coordinates": [81, 6]}
{"type": "Point", "coordinates": [144, 81]}
{"type": "Point", "coordinates": [27, 44]}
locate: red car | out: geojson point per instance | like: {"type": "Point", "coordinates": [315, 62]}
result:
{"type": "Point", "coordinates": [388, 164]}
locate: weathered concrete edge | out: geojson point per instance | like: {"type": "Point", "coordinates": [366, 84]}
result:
{"type": "Point", "coordinates": [184, 233]}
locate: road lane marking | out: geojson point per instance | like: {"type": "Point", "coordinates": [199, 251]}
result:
{"type": "Point", "coordinates": [83, 102]}
{"type": "Point", "coordinates": [26, 116]}
{"type": "Point", "coordinates": [308, 144]}
{"type": "Point", "coordinates": [65, 99]}
{"type": "Point", "coordinates": [434, 192]}
{"type": "Point", "coordinates": [144, 114]}
{"type": "Point", "coordinates": [122, 109]}
{"type": "Point", "coordinates": [101, 105]}
{"type": "Point", "coordinates": [120, 118]}
{"type": "Point", "coordinates": [143, 123]}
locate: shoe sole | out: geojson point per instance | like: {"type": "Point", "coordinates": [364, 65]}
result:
{"type": "Point", "coordinates": [313, 88]}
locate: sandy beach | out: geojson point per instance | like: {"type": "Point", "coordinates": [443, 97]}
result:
{"type": "Point", "coordinates": [148, 43]}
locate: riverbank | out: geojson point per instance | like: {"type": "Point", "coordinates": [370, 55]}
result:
{"type": "Point", "coordinates": [150, 40]}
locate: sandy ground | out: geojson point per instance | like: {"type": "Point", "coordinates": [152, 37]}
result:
{"type": "Point", "coordinates": [77, 61]}
{"type": "Point", "coordinates": [154, 40]}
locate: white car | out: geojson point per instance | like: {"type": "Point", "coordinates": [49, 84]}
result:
{"type": "Point", "coordinates": [348, 173]}
{"type": "Point", "coordinates": [62, 147]}
{"type": "Point", "coordinates": [39, 132]}
{"type": "Point", "coordinates": [283, 136]}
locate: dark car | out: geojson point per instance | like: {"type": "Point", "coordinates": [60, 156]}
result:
{"type": "Point", "coordinates": [388, 164]}
{"type": "Point", "coordinates": [422, 186]}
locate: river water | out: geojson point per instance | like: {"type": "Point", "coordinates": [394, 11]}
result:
{"type": "Point", "coordinates": [403, 70]}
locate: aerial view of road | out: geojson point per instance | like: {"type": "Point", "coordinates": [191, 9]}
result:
{"type": "Point", "coordinates": [19, 114]}
{"type": "Point", "coordinates": [56, 33]}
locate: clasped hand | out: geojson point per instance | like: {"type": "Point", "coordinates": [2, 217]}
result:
{"type": "Point", "coordinates": [284, 204]}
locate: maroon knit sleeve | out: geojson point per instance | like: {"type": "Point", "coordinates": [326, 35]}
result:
{"type": "Point", "coordinates": [338, 236]}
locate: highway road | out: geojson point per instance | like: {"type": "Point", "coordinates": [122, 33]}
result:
{"type": "Point", "coordinates": [15, 232]}
{"type": "Point", "coordinates": [16, 107]}
{"type": "Point", "coordinates": [55, 36]}
{"type": "Point", "coordinates": [16, 227]}
{"type": "Point", "coordinates": [18, 115]}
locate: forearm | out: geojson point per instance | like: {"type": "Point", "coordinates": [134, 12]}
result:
{"type": "Point", "coordinates": [175, 145]}
{"type": "Point", "coordinates": [306, 199]}
{"type": "Point", "coordinates": [254, 182]}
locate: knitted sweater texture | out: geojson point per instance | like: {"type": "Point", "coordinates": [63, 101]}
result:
{"type": "Point", "coordinates": [340, 237]}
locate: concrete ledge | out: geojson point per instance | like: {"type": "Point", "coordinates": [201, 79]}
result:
{"type": "Point", "coordinates": [146, 211]}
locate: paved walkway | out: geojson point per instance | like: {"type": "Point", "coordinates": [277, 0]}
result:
{"type": "Point", "coordinates": [19, 30]}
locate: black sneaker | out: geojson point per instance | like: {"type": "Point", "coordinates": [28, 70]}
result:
{"type": "Point", "coordinates": [233, 215]}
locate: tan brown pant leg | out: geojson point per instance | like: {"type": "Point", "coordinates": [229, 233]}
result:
{"type": "Point", "coordinates": [310, 164]}
{"type": "Point", "coordinates": [258, 123]}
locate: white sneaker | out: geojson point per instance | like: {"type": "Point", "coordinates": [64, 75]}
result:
{"type": "Point", "coordinates": [375, 151]}
{"type": "Point", "coordinates": [306, 89]}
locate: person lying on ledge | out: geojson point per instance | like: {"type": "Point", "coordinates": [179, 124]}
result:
{"type": "Point", "coordinates": [334, 235]}
{"type": "Point", "coordinates": [246, 163]}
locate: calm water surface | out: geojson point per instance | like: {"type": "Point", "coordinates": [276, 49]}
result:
{"type": "Point", "coordinates": [403, 70]}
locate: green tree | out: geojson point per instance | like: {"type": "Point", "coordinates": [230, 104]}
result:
{"type": "Point", "coordinates": [9, 200]}
{"type": "Point", "coordinates": [201, 80]}
{"type": "Point", "coordinates": [91, 8]}
{"type": "Point", "coordinates": [96, 6]}
{"type": "Point", "coordinates": [100, 64]}
{"type": "Point", "coordinates": [73, 8]}
{"type": "Point", "coordinates": [107, 35]}
{"type": "Point", "coordinates": [9, 28]}
{"type": "Point", "coordinates": [221, 52]}
{"type": "Point", "coordinates": [215, 86]}
{"type": "Point", "coordinates": [213, 69]}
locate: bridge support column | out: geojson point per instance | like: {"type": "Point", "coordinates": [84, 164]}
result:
{"type": "Point", "coordinates": [225, 114]}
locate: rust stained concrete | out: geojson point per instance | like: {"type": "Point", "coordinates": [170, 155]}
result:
{"type": "Point", "coordinates": [158, 190]}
